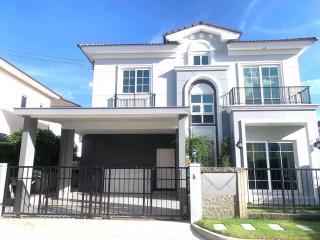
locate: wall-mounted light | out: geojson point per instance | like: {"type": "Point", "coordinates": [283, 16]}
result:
{"type": "Point", "coordinates": [239, 144]}
{"type": "Point", "coordinates": [317, 143]}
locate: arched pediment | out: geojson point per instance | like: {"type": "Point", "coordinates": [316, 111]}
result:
{"type": "Point", "coordinates": [200, 46]}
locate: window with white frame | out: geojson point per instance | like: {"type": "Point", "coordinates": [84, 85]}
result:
{"type": "Point", "coordinates": [262, 84]}
{"type": "Point", "coordinates": [136, 81]}
{"type": "Point", "coordinates": [201, 60]}
{"type": "Point", "coordinates": [202, 105]}
{"type": "Point", "coordinates": [269, 165]}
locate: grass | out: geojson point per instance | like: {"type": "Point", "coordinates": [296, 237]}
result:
{"type": "Point", "coordinates": [263, 231]}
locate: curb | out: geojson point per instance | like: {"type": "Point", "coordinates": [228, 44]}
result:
{"type": "Point", "coordinates": [210, 235]}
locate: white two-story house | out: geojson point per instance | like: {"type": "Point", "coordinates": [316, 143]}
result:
{"type": "Point", "coordinates": [201, 80]}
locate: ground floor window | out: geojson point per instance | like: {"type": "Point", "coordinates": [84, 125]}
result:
{"type": "Point", "coordinates": [271, 165]}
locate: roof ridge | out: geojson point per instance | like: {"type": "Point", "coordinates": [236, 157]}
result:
{"type": "Point", "coordinates": [201, 23]}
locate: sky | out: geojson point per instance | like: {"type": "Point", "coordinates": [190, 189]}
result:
{"type": "Point", "coordinates": [41, 37]}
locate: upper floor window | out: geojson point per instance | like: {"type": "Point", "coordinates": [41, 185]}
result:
{"type": "Point", "coordinates": [262, 84]}
{"type": "Point", "coordinates": [202, 104]}
{"type": "Point", "coordinates": [201, 60]}
{"type": "Point", "coordinates": [23, 103]}
{"type": "Point", "coordinates": [136, 81]}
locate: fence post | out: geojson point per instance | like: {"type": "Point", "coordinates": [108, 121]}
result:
{"type": "Point", "coordinates": [3, 174]}
{"type": "Point", "coordinates": [195, 193]}
{"type": "Point", "coordinates": [242, 193]}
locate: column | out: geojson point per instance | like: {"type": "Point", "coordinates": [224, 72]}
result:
{"type": "Point", "coordinates": [195, 193]}
{"type": "Point", "coordinates": [26, 161]}
{"type": "Point", "coordinates": [65, 161]}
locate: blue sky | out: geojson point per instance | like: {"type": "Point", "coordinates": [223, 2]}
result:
{"type": "Point", "coordinates": [32, 30]}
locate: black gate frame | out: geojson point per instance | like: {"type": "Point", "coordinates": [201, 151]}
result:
{"type": "Point", "coordinates": [96, 191]}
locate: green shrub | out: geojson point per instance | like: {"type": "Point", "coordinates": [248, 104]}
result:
{"type": "Point", "coordinates": [9, 153]}
{"type": "Point", "coordinates": [224, 158]}
{"type": "Point", "coordinates": [198, 149]}
{"type": "Point", "coordinates": [46, 152]}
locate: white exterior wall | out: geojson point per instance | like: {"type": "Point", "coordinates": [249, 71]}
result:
{"type": "Point", "coordinates": [11, 91]}
{"type": "Point", "coordinates": [299, 127]}
{"type": "Point", "coordinates": [173, 75]}
{"type": "Point", "coordinates": [108, 71]}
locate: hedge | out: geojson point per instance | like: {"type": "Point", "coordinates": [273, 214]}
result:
{"type": "Point", "coordinates": [9, 153]}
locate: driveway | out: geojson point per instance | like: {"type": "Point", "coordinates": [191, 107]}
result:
{"type": "Point", "coordinates": [81, 229]}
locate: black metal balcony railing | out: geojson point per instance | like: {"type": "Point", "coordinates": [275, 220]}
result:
{"type": "Point", "coordinates": [134, 100]}
{"type": "Point", "coordinates": [267, 95]}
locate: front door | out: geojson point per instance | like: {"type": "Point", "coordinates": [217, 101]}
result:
{"type": "Point", "coordinates": [165, 168]}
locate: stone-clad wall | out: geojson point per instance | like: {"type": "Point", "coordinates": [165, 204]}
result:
{"type": "Point", "coordinates": [223, 192]}
{"type": "Point", "coordinates": [219, 206]}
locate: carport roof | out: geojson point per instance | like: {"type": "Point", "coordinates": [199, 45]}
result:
{"type": "Point", "coordinates": [80, 112]}
{"type": "Point", "coordinates": [110, 120]}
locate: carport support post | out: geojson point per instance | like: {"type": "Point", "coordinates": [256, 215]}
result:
{"type": "Point", "coordinates": [181, 175]}
{"type": "Point", "coordinates": [3, 174]}
{"type": "Point", "coordinates": [26, 161]}
{"type": "Point", "coordinates": [65, 161]}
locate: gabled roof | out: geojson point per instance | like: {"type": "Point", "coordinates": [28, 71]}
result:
{"type": "Point", "coordinates": [275, 40]}
{"type": "Point", "coordinates": [26, 78]}
{"type": "Point", "coordinates": [202, 23]}
{"type": "Point", "coordinates": [32, 82]}
{"type": "Point", "coordinates": [62, 103]}
{"type": "Point", "coordinates": [123, 44]}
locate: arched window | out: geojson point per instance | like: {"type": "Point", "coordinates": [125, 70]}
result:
{"type": "Point", "coordinates": [202, 105]}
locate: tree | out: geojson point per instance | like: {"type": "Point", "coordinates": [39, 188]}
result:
{"type": "Point", "coordinates": [198, 149]}
{"type": "Point", "coordinates": [46, 152]}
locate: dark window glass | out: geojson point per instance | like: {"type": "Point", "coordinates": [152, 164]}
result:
{"type": "Point", "coordinates": [205, 60]}
{"type": "Point", "coordinates": [23, 102]}
{"type": "Point", "coordinates": [207, 118]}
{"type": "Point", "coordinates": [196, 98]}
{"type": "Point", "coordinates": [196, 118]}
{"type": "Point", "coordinates": [196, 60]}
{"type": "Point", "coordinates": [196, 108]}
{"type": "Point", "coordinates": [207, 98]}
{"type": "Point", "coordinates": [207, 108]}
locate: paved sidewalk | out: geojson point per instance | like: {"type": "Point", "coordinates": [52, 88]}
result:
{"type": "Point", "coordinates": [81, 229]}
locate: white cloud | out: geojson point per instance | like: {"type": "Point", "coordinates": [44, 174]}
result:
{"type": "Point", "coordinates": [314, 85]}
{"type": "Point", "coordinates": [247, 14]}
{"type": "Point", "coordinates": [156, 38]}
{"type": "Point", "coordinates": [90, 84]}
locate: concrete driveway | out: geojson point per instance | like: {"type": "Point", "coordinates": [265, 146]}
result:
{"type": "Point", "coordinates": [83, 229]}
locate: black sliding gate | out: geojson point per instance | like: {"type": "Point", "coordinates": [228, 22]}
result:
{"type": "Point", "coordinates": [97, 191]}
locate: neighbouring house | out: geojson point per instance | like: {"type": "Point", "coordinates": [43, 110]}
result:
{"type": "Point", "coordinates": [20, 90]}
{"type": "Point", "coordinates": [201, 80]}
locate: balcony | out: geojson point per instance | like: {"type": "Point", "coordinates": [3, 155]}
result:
{"type": "Point", "coordinates": [134, 100]}
{"type": "Point", "coordinates": [266, 95]}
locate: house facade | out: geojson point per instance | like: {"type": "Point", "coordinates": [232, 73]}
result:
{"type": "Point", "coordinates": [246, 91]}
{"type": "Point", "coordinates": [202, 80]}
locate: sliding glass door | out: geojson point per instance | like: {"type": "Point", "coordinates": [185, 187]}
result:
{"type": "Point", "coordinates": [278, 157]}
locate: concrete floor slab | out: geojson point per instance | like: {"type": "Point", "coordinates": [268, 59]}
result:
{"type": "Point", "coordinates": [83, 229]}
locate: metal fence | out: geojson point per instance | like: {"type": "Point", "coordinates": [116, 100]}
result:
{"type": "Point", "coordinates": [288, 190]}
{"type": "Point", "coordinates": [97, 191]}
{"type": "Point", "coordinates": [267, 95]}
